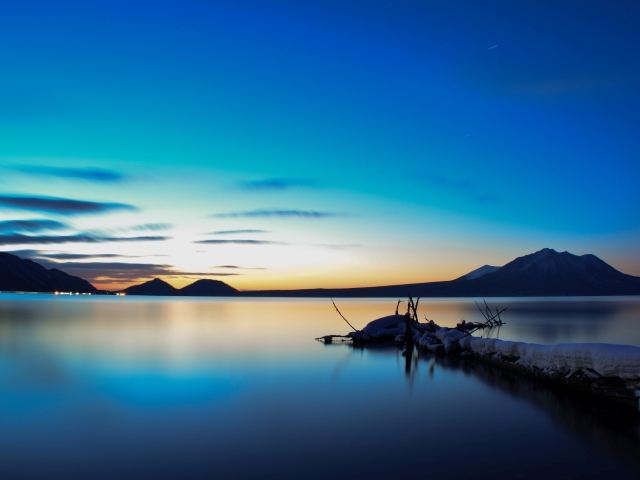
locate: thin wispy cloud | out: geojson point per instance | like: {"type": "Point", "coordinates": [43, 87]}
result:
{"type": "Point", "coordinates": [152, 227]}
{"type": "Point", "coordinates": [205, 274]}
{"type": "Point", "coordinates": [217, 241]}
{"type": "Point", "coordinates": [120, 271]}
{"type": "Point", "coordinates": [236, 232]}
{"type": "Point", "coordinates": [267, 213]}
{"type": "Point", "coordinates": [337, 246]}
{"type": "Point", "coordinates": [61, 206]}
{"type": "Point", "coordinates": [87, 174]}
{"type": "Point", "coordinates": [278, 184]}
{"type": "Point", "coordinates": [123, 272]}
{"type": "Point", "coordinates": [55, 256]}
{"type": "Point", "coordinates": [19, 239]}
{"type": "Point", "coordinates": [15, 226]}
{"type": "Point", "coordinates": [237, 267]}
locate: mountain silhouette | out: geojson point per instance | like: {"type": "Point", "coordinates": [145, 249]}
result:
{"type": "Point", "coordinates": [22, 275]}
{"type": "Point", "coordinates": [548, 272]}
{"type": "Point", "coordinates": [478, 272]}
{"type": "Point", "coordinates": [208, 288]}
{"type": "Point", "coordinates": [199, 288]}
{"type": "Point", "coordinates": [152, 287]}
{"type": "Point", "coordinates": [544, 273]}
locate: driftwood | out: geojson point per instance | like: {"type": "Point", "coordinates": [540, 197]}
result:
{"type": "Point", "coordinates": [609, 372]}
{"type": "Point", "coordinates": [334, 304]}
{"type": "Point", "coordinates": [408, 330]}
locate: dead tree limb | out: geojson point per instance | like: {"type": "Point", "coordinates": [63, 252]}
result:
{"type": "Point", "coordinates": [398, 305]}
{"type": "Point", "coordinates": [334, 304]}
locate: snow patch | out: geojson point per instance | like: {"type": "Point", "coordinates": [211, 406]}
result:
{"type": "Point", "coordinates": [605, 359]}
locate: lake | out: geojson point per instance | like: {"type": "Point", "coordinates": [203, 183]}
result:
{"type": "Point", "coordinates": [148, 388]}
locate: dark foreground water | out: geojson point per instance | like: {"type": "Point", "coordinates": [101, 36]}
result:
{"type": "Point", "coordinates": [111, 387]}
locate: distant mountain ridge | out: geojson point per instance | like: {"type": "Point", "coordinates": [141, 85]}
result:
{"type": "Point", "coordinates": [543, 273]}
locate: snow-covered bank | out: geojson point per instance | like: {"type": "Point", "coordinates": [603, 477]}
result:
{"type": "Point", "coordinates": [606, 360]}
{"type": "Point", "coordinates": [604, 370]}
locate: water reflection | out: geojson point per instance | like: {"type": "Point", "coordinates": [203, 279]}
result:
{"type": "Point", "coordinates": [192, 388]}
{"type": "Point", "coordinates": [612, 430]}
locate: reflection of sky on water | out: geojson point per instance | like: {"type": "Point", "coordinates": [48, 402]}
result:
{"type": "Point", "coordinates": [104, 387]}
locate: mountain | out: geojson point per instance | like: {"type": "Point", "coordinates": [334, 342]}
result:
{"type": "Point", "coordinates": [548, 272]}
{"type": "Point", "coordinates": [22, 275]}
{"type": "Point", "coordinates": [152, 287]}
{"type": "Point", "coordinates": [544, 273]}
{"type": "Point", "coordinates": [199, 288]}
{"type": "Point", "coordinates": [478, 272]}
{"type": "Point", "coordinates": [208, 288]}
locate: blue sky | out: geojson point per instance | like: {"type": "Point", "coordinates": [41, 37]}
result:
{"type": "Point", "coordinates": [333, 143]}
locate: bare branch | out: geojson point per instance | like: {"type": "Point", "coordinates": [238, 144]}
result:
{"type": "Point", "coordinates": [334, 304]}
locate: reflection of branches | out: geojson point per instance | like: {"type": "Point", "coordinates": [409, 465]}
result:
{"type": "Point", "coordinates": [339, 366]}
{"type": "Point", "coordinates": [432, 367]}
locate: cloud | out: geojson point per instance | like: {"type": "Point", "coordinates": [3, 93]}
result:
{"type": "Point", "coordinates": [240, 242]}
{"type": "Point", "coordinates": [277, 184]}
{"type": "Point", "coordinates": [30, 225]}
{"type": "Point", "coordinates": [89, 174]}
{"type": "Point", "coordinates": [62, 206]}
{"type": "Point", "coordinates": [19, 239]}
{"type": "Point", "coordinates": [236, 232]}
{"type": "Point", "coordinates": [238, 267]}
{"type": "Point", "coordinates": [153, 227]}
{"type": "Point", "coordinates": [47, 255]}
{"type": "Point", "coordinates": [123, 272]}
{"type": "Point", "coordinates": [205, 274]}
{"type": "Point", "coordinates": [275, 213]}
{"type": "Point", "coordinates": [338, 246]}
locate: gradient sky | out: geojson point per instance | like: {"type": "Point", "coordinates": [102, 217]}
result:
{"type": "Point", "coordinates": [277, 144]}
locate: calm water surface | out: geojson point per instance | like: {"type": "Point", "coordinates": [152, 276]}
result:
{"type": "Point", "coordinates": [112, 387]}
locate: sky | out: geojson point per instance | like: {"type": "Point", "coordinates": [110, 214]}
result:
{"type": "Point", "coordinates": [287, 144]}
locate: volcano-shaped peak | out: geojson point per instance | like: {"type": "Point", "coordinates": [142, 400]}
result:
{"type": "Point", "coordinates": [152, 287]}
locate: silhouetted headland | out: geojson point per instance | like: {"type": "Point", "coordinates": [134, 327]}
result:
{"type": "Point", "coordinates": [22, 275]}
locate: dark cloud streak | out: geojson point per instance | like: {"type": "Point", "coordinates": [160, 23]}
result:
{"type": "Point", "coordinates": [238, 267]}
{"type": "Point", "coordinates": [276, 213]}
{"type": "Point", "coordinates": [19, 239]}
{"type": "Point", "coordinates": [277, 184]}
{"type": "Point", "coordinates": [240, 242]}
{"type": "Point", "coordinates": [237, 232]}
{"type": "Point", "coordinates": [123, 272]}
{"type": "Point", "coordinates": [152, 227]}
{"type": "Point", "coordinates": [89, 174]}
{"type": "Point", "coordinates": [30, 225]}
{"type": "Point", "coordinates": [43, 254]}
{"type": "Point", "coordinates": [61, 206]}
